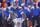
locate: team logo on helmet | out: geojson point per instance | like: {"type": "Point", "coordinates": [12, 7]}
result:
{"type": "Point", "coordinates": [15, 2]}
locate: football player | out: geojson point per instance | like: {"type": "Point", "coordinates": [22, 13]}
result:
{"type": "Point", "coordinates": [18, 11]}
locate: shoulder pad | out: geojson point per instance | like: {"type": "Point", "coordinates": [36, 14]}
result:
{"type": "Point", "coordinates": [37, 7]}
{"type": "Point", "coordinates": [25, 7]}
{"type": "Point", "coordinates": [19, 7]}
{"type": "Point", "coordinates": [32, 7]}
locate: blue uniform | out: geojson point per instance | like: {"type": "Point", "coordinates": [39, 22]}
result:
{"type": "Point", "coordinates": [26, 11]}
{"type": "Point", "coordinates": [0, 11]}
{"type": "Point", "coordinates": [35, 11]}
{"type": "Point", "coordinates": [17, 12]}
{"type": "Point", "coordinates": [35, 14]}
{"type": "Point", "coordinates": [6, 11]}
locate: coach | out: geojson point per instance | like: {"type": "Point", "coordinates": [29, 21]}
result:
{"type": "Point", "coordinates": [35, 15]}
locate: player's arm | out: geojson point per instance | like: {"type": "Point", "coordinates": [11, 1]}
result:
{"type": "Point", "coordinates": [22, 13]}
{"type": "Point", "coordinates": [10, 13]}
{"type": "Point", "coordinates": [3, 14]}
{"type": "Point", "coordinates": [24, 16]}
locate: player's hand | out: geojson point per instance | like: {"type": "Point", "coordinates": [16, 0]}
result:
{"type": "Point", "coordinates": [0, 11]}
{"type": "Point", "coordinates": [10, 12]}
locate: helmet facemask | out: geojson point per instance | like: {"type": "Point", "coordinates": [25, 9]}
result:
{"type": "Point", "coordinates": [15, 4]}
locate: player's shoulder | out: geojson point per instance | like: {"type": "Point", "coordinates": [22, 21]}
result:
{"type": "Point", "coordinates": [28, 9]}
{"type": "Point", "coordinates": [25, 7]}
{"type": "Point", "coordinates": [37, 7]}
{"type": "Point", "coordinates": [32, 7]}
{"type": "Point", "coordinates": [19, 7]}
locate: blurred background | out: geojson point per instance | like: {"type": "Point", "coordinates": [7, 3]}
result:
{"type": "Point", "coordinates": [28, 4]}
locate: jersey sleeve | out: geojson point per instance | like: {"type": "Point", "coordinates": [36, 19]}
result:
{"type": "Point", "coordinates": [21, 10]}
{"type": "Point", "coordinates": [31, 10]}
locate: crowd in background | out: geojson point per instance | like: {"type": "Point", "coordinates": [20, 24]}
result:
{"type": "Point", "coordinates": [27, 2]}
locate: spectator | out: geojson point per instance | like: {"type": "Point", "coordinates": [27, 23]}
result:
{"type": "Point", "coordinates": [6, 13]}
{"type": "Point", "coordinates": [1, 15]}
{"type": "Point", "coordinates": [35, 15]}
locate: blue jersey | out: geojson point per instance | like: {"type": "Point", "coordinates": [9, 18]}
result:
{"type": "Point", "coordinates": [6, 11]}
{"type": "Point", "coordinates": [0, 11]}
{"type": "Point", "coordinates": [17, 12]}
{"type": "Point", "coordinates": [25, 10]}
{"type": "Point", "coordinates": [35, 11]}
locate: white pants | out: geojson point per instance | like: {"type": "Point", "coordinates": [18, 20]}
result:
{"type": "Point", "coordinates": [20, 20]}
